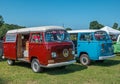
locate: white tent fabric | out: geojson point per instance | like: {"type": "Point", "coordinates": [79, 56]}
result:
{"type": "Point", "coordinates": [110, 30]}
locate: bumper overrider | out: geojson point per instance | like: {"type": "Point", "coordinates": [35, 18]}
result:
{"type": "Point", "coordinates": [59, 64]}
{"type": "Point", "coordinates": [106, 57]}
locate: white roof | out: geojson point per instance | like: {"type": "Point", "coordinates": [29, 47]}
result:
{"type": "Point", "coordinates": [110, 30]}
{"type": "Point", "coordinates": [77, 31]}
{"type": "Point", "coordinates": [35, 29]}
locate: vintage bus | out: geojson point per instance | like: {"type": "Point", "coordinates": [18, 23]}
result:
{"type": "Point", "coordinates": [116, 45]}
{"type": "Point", "coordinates": [43, 47]}
{"type": "Point", "coordinates": [91, 45]}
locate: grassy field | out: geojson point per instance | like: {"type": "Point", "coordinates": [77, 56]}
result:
{"type": "Point", "coordinates": [97, 73]}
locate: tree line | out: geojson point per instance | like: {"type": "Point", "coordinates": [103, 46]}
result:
{"type": "Point", "coordinates": [97, 25]}
{"type": "Point", "coordinates": [4, 27]}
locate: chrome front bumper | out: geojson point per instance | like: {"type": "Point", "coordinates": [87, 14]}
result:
{"type": "Point", "coordinates": [59, 64]}
{"type": "Point", "coordinates": [105, 57]}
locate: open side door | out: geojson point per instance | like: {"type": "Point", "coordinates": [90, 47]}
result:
{"type": "Point", "coordinates": [19, 46]}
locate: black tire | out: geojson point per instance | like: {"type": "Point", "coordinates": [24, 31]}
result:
{"type": "Point", "coordinates": [10, 62]}
{"type": "Point", "coordinates": [36, 66]}
{"type": "Point", "coordinates": [84, 59]}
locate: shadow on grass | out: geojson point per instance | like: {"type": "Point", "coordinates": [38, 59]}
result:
{"type": "Point", "coordinates": [2, 81]}
{"type": "Point", "coordinates": [117, 54]}
{"type": "Point", "coordinates": [55, 71]}
{"type": "Point", "coordinates": [23, 64]}
{"type": "Point", "coordinates": [2, 59]}
{"type": "Point", "coordinates": [107, 63]}
{"type": "Point", "coordinates": [69, 69]}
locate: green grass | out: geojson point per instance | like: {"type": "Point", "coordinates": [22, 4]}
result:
{"type": "Point", "coordinates": [97, 73]}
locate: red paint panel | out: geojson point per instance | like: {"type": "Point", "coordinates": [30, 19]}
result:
{"type": "Point", "coordinates": [58, 48]}
{"type": "Point", "coordinates": [39, 50]}
{"type": "Point", "coordinates": [10, 50]}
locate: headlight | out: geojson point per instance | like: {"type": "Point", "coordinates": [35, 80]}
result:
{"type": "Point", "coordinates": [53, 54]}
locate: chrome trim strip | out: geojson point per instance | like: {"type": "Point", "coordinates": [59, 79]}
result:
{"type": "Point", "coordinates": [59, 64]}
{"type": "Point", "coordinates": [105, 57]}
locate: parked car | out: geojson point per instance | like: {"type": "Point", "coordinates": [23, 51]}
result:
{"type": "Point", "coordinates": [116, 45]}
{"type": "Point", "coordinates": [43, 47]}
{"type": "Point", "coordinates": [91, 45]}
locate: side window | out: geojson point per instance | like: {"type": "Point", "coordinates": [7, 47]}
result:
{"type": "Point", "coordinates": [36, 38]}
{"type": "Point", "coordinates": [86, 37]}
{"type": "Point", "coordinates": [10, 38]}
{"type": "Point", "coordinates": [73, 36]}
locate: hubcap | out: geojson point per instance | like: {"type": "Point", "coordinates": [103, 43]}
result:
{"type": "Point", "coordinates": [35, 66]}
{"type": "Point", "coordinates": [84, 60]}
{"type": "Point", "coordinates": [9, 61]}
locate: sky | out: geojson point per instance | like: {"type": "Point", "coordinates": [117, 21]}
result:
{"type": "Point", "coordinates": [75, 14]}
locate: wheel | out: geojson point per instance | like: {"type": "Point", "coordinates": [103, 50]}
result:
{"type": "Point", "coordinates": [36, 66]}
{"type": "Point", "coordinates": [84, 59]}
{"type": "Point", "coordinates": [10, 62]}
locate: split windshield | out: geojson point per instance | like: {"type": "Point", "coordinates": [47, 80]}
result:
{"type": "Point", "coordinates": [101, 35]}
{"type": "Point", "coordinates": [56, 35]}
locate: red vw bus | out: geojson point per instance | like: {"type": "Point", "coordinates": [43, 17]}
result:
{"type": "Point", "coordinates": [43, 47]}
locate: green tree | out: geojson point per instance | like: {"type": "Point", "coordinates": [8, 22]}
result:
{"type": "Point", "coordinates": [115, 26]}
{"type": "Point", "coordinates": [95, 25]}
{"type": "Point", "coordinates": [5, 27]}
{"type": "Point", "coordinates": [68, 28]}
{"type": "Point", "coordinates": [119, 28]}
{"type": "Point", "coordinates": [1, 21]}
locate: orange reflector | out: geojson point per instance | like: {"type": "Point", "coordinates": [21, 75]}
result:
{"type": "Point", "coordinates": [50, 61]}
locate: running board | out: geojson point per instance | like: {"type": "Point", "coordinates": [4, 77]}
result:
{"type": "Point", "coordinates": [23, 59]}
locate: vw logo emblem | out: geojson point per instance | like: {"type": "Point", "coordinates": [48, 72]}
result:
{"type": "Point", "coordinates": [65, 52]}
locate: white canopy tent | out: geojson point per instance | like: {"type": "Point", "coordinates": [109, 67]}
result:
{"type": "Point", "coordinates": [110, 30]}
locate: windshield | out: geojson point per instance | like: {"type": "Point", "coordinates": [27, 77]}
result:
{"type": "Point", "coordinates": [56, 35]}
{"type": "Point", "coordinates": [101, 35]}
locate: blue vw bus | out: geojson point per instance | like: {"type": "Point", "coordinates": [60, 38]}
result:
{"type": "Point", "coordinates": [91, 45]}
